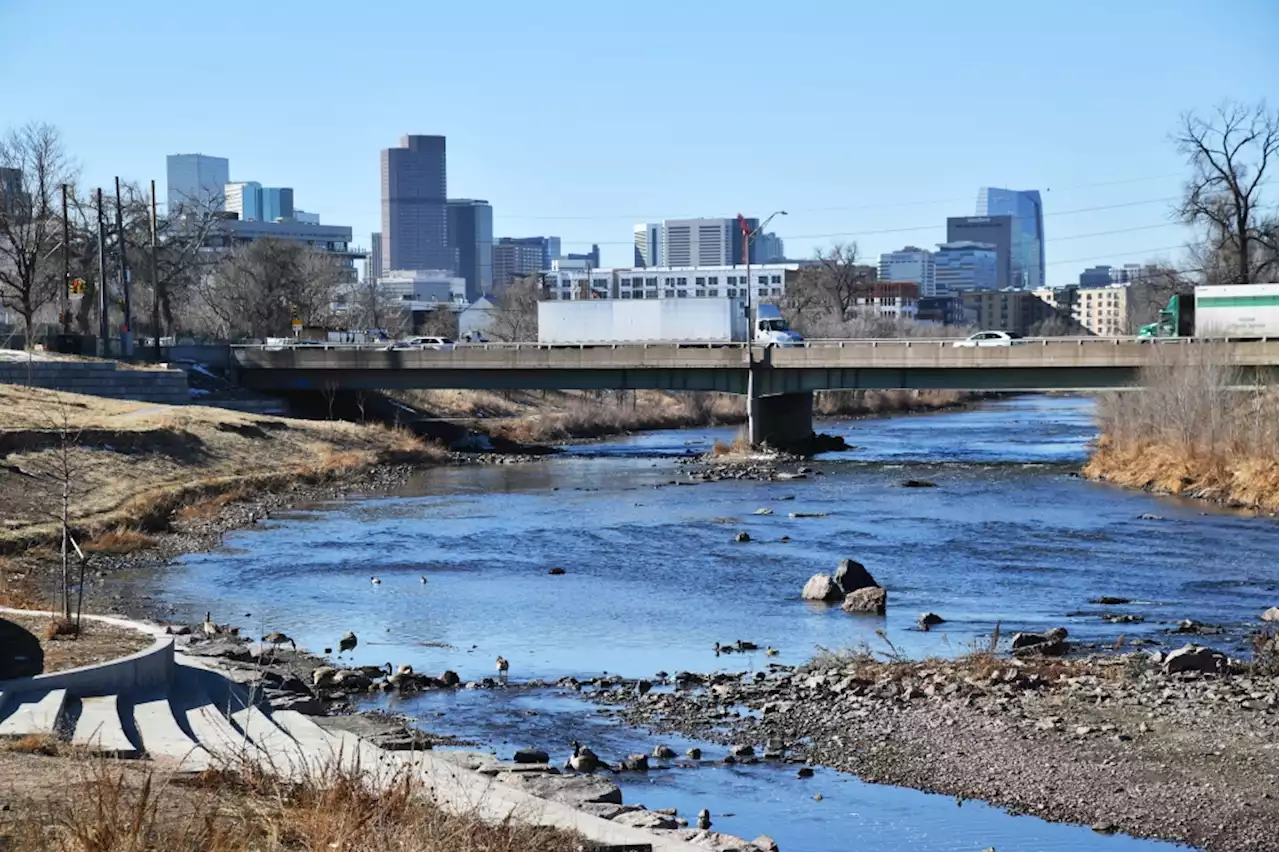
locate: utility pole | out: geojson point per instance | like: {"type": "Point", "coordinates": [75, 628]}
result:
{"type": "Point", "coordinates": [104, 326]}
{"type": "Point", "coordinates": [64, 300]}
{"type": "Point", "coordinates": [155, 278]}
{"type": "Point", "coordinates": [753, 401]}
{"type": "Point", "coordinates": [126, 331]}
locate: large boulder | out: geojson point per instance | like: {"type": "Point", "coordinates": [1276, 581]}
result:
{"type": "Point", "coordinates": [572, 790]}
{"type": "Point", "coordinates": [851, 575]}
{"type": "Point", "coordinates": [1195, 658]}
{"type": "Point", "coordinates": [1271, 614]}
{"type": "Point", "coordinates": [821, 588]}
{"type": "Point", "coordinates": [645, 819]}
{"type": "Point", "coordinates": [872, 599]}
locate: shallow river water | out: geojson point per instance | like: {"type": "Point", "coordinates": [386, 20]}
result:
{"type": "Point", "coordinates": [653, 579]}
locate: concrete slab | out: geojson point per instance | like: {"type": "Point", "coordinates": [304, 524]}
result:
{"type": "Point", "coordinates": [99, 728]}
{"type": "Point", "coordinates": [34, 713]}
{"type": "Point", "coordinates": [215, 732]}
{"type": "Point", "coordinates": [162, 736]}
{"type": "Point", "coordinates": [281, 752]}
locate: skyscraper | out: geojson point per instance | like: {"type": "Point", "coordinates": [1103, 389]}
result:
{"type": "Point", "coordinates": [244, 199]}
{"type": "Point", "coordinates": [471, 237]}
{"type": "Point", "coordinates": [415, 227]}
{"type": "Point", "coordinates": [1026, 249]}
{"type": "Point", "coordinates": [277, 203]}
{"type": "Point", "coordinates": [704, 242]}
{"type": "Point", "coordinates": [910, 264]}
{"type": "Point", "coordinates": [196, 181]}
{"type": "Point", "coordinates": [964, 266]}
{"type": "Point", "coordinates": [516, 257]}
{"type": "Point", "coordinates": [768, 248]}
{"type": "Point", "coordinates": [996, 230]}
{"type": "Point", "coordinates": [373, 266]}
{"type": "Point", "coordinates": [648, 242]}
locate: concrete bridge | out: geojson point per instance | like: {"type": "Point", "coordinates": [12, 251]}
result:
{"type": "Point", "coordinates": [778, 381]}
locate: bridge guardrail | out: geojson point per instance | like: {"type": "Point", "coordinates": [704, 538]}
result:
{"type": "Point", "coordinates": [816, 343]}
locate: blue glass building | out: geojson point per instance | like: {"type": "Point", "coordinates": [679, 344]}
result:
{"type": "Point", "coordinates": [1026, 249]}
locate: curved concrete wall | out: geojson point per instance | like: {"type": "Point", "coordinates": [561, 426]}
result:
{"type": "Point", "coordinates": [150, 667]}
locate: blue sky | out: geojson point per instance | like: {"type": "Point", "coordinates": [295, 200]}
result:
{"type": "Point", "coordinates": [865, 120]}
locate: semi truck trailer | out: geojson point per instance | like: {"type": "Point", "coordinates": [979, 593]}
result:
{"type": "Point", "coordinates": [1237, 310]}
{"type": "Point", "coordinates": [705, 320]}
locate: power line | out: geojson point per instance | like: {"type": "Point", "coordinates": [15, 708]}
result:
{"type": "Point", "coordinates": [889, 205]}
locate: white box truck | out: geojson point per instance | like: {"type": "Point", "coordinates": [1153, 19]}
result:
{"type": "Point", "coordinates": [1239, 311]}
{"type": "Point", "coordinates": [607, 321]}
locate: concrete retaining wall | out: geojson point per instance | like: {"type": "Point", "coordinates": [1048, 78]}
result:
{"type": "Point", "coordinates": [147, 669]}
{"type": "Point", "coordinates": [99, 378]}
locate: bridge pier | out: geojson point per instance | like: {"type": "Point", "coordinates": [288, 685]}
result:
{"type": "Point", "coordinates": [782, 421]}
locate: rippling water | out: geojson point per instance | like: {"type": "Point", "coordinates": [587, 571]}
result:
{"type": "Point", "coordinates": [654, 578]}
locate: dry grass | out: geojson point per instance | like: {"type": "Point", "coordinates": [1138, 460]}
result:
{"type": "Point", "coordinates": [59, 627]}
{"type": "Point", "coordinates": [1190, 432]}
{"type": "Point", "coordinates": [95, 642]}
{"type": "Point", "coordinates": [137, 464]}
{"type": "Point", "coordinates": [114, 807]}
{"type": "Point", "coordinates": [568, 415]}
{"type": "Point", "coordinates": [45, 744]}
{"type": "Point", "coordinates": [863, 403]}
{"type": "Point", "coordinates": [740, 446]}
{"type": "Point", "coordinates": [119, 541]}
{"type": "Point", "coordinates": [211, 507]}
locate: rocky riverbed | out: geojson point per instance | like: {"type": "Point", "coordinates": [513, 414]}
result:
{"type": "Point", "coordinates": [1180, 746]}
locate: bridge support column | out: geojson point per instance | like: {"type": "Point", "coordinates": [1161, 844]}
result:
{"type": "Point", "coordinates": [784, 421]}
{"type": "Point", "coordinates": [754, 435]}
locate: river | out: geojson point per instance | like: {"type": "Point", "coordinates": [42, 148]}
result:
{"type": "Point", "coordinates": [653, 578]}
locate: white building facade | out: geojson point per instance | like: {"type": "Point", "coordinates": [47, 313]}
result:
{"type": "Point", "coordinates": [423, 289]}
{"type": "Point", "coordinates": [698, 242]}
{"type": "Point", "coordinates": [768, 282]}
{"type": "Point", "coordinates": [910, 264]}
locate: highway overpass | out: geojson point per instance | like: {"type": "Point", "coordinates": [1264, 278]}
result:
{"type": "Point", "coordinates": [1033, 364]}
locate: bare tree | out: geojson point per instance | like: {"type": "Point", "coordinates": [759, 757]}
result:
{"type": "Point", "coordinates": [33, 166]}
{"type": "Point", "coordinates": [440, 322]}
{"type": "Point", "coordinates": [1230, 154]}
{"type": "Point", "coordinates": [1150, 293]}
{"type": "Point", "coordinates": [258, 289]}
{"type": "Point", "coordinates": [515, 316]}
{"type": "Point", "coordinates": [372, 307]}
{"type": "Point", "coordinates": [831, 288]}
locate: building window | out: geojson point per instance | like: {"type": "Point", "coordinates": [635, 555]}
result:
{"type": "Point", "coordinates": [626, 294]}
{"type": "Point", "coordinates": [763, 279]}
{"type": "Point", "coordinates": [666, 282]}
{"type": "Point", "coordinates": [732, 293]}
{"type": "Point", "coordinates": [776, 279]}
{"type": "Point", "coordinates": [699, 282]}
{"type": "Point", "coordinates": [763, 291]}
{"type": "Point", "coordinates": [712, 281]}
{"type": "Point", "coordinates": [682, 282]}
{"type": "Point", "coordinates": [776, 291]}
{"type": "Point", "coordinates": [669, 294]}
{"type": "Point", "coordinates": [651, 282]}
{"type": "Point", "coordinates": [701, 294]}
{"type": "Point", "coordinates": [731, 280]}
{"type": "Point", "coordinates": [626, 282]}
{"type": "Point", "coordinates": [682, 294]}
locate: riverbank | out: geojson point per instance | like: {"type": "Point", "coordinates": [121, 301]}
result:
{"type": "Point", "coordinates": [127, 468]}
{"type": "Point", "coordinates": [1122, 743]}
{"type": "Point", "coordinates": [1192, 433]}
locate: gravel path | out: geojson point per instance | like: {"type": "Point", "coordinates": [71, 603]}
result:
{"type": "Point", "coordinates": [1112, 742]}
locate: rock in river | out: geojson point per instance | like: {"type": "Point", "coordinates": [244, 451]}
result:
{"type": "Point", "coordinates": [1109, 600]}
{"type": "Point", "coordinates": [1052, 642]}
{"type": "Point", "coordinates": [531, 755]}
{"type": "Point", "coordinates": [1195, 658]}
{"type": "Point", "coordinates": [1271, 614]}
{"type": "Point", "coordinates": [821, 588]}
{"type": "Point", "coordinates": [871, 599]}
{"type": "Point", "coordinates": [851, 575]}
{"type": "Point", "coordinates": [919, 483]}
{"type": "Point", "coordinates": [929, 619]}
{"type": "Point", "coordinates": [572, 790]}
{"type": "Point", "coordinates": [743, 536]}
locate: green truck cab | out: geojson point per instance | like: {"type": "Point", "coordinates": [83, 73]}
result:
{"type": "Point", "coordinates": [1177, 319]}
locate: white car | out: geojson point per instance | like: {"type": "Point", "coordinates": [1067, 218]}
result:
{"type": "Point", "coordinates": [424, 343]}
{"type": "Point", "coordinates": [988, 338]}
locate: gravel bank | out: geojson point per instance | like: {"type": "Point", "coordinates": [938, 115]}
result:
{"type": "Point", "coordinates": [1110, 741]}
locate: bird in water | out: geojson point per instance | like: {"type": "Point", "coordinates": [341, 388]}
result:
{"type": "Point", "coordinates": [643, 687]}
{"type": "Point", "coordinates": [771, 651]}
{"type": "Point", "coordinates": [209, 628]}
{"type": "Point", "coordinates": [423, 579]}
{"type": "Point", "coordinates": [583, 759]}
{"type": "Point", "coordinates": [347, 643]}
{"type": "Point", "coordinates": [375, 581]}
{"type": "Point", "coordinates": [277, 638]}
{"type": "Point", "coordinates": [502, 666]}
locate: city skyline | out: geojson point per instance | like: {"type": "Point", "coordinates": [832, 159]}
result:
{"type": "Point", "coordinates": [1074, 137]}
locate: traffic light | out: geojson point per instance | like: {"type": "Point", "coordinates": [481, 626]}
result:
{"type": "Point", "coordinates": [76, 287]}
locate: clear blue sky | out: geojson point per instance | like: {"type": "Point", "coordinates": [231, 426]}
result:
{"type": "Point", "coordinates": [579, 118]}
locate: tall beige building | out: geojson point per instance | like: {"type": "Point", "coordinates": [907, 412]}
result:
{"type": "Point", "coordinates": [1104, 311]}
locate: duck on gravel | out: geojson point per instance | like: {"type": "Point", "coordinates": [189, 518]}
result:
{"type": "Point", "coordinates": [277, 639]}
